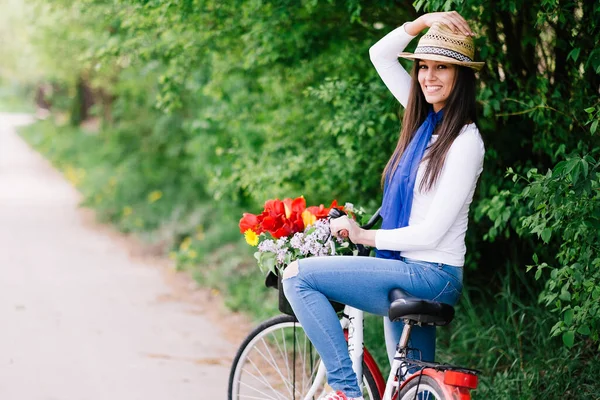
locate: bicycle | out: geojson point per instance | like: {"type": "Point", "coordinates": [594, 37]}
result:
{"type": "Point", "coordinates": [277, 361]}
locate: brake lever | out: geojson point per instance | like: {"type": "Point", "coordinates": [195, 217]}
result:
{"type": "Point", "coordinates": [336, 213]}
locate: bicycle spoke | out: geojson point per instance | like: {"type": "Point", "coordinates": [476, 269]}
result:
{"type": "Point", "coordinates": [263, 378]}
{"type": "Point", "coordinates": [284, 352]}
{"type": "Point", "coordinates": [303, 365]}
{"type": "Point", "coordinates": [260, 392]}
{"type": "Point", "coordinates": [273, 364]}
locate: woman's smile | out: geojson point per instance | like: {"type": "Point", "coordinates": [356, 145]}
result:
{"type": "Point", "coordinates": [432, 88]}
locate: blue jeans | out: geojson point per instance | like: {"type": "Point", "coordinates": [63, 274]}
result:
{"type": "Point", "coordinates": [364, 283]}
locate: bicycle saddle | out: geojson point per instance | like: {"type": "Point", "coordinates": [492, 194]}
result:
{"type": "Point", "coordinates": [404, 306]}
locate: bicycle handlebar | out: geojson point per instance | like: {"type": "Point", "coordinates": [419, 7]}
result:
{"type": "Point", "coordinates": [374, 219]}
{"type": "Point", "coordinates": [336, 213]}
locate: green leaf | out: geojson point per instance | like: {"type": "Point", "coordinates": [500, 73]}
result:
{"type": "Point", "coordinates": [546, 233]}
{"type": "Point", "coordinates": [575, 172]}
{"type": "Point", "coordinates": [584, 330]}
{"type": "Point", "coordinates": [589, 110]}
{"type": "Point", "coordinates": [565, 296]}
{"type": "Point", "coordinates": [568, 338]}
{"type": "Point", "coordinates": [538, 274]}
{"type": "Point", "coordinates": [574, 54]}
{"type": "Point", "coordinates": [418, 5]}
{"type": "Point", "coordinates": [594, 127]}
{"type": "Point", "coordinates": [568, 317]}
{"type": "Point", "coordinates": [586, 167]}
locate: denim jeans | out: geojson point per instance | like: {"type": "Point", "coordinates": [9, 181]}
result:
{"type": "Point", "coordinates": [364, 283]}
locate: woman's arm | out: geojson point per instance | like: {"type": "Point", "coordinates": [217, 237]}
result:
{"type": "Point", "coordinates": [384, 56]}
{"type": "Point", "coordinates": [457, 180]}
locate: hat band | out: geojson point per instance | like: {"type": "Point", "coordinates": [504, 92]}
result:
{"type": "Point", "coordinates": [442, 52]}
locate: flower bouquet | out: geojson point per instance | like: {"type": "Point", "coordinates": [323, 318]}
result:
{"type": "Point", "coordinates": [288, 230]}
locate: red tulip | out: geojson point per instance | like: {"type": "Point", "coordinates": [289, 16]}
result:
{"type": "Point", "coordinates": [285, 230]}
{"type": "Point", "coordinates": [283, 218]}
{"type": "Point", "coordinates": [250, 221]}
{"type": "Point", "coordinates": [274, 208]}
{"type": "Point", "coordinates": [321, 211]}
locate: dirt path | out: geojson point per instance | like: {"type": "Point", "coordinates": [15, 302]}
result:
{"type": "Point", "coordinates": [84, 318]}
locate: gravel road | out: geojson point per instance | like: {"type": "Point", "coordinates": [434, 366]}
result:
{"type": "Point", "coordinates": [80, 317]}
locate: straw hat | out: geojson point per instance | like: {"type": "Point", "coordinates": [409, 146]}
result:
{"type": "Point", "coordinates": [440, 43]}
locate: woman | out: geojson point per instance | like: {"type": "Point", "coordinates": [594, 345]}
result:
{"type": "Point", "coordinates": [429, 183]}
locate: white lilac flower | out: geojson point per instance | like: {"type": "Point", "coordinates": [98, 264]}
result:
{"type": "Point", "coordinates": [318, 242]}
{"type": "Point", "coordinates": [281, 256]}
{"type": "Point", "coordinates": [349, 207]}
{"type": "Point", "coordinates": [297, 240]}
{"type": "Point", "coordinates": [267, 246]}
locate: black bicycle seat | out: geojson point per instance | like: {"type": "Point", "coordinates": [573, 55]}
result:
{"type": "Point", "coordinates": [404, 306]}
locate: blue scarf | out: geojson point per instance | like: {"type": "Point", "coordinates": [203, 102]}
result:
{"type": "Point", "coordinates": [398, 189]}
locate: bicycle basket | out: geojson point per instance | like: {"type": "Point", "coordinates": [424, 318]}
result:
{"type": "Point", "coordinates": [273, 280]}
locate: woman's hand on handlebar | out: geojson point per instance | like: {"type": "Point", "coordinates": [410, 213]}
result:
{"type": "Point", "coordinates": [348, 228]}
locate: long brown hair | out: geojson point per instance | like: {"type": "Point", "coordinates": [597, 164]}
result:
{"type": "Point", "coordinates": [459, 110]}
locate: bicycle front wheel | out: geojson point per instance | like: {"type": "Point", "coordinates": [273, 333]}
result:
{"type": "Point", "coordinates": [422, 388]}
{"type": "Point", "coordinates": [278, 361]}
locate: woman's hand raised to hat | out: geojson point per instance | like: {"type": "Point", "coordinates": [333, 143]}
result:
{"type": "Point", "coordinates": [452, 19]}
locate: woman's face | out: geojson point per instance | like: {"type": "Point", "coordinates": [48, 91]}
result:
{"type": "Point", "coordinates": [437, 81]}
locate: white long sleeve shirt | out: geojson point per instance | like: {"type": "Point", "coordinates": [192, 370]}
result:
{"type": "Point", "coordinates": [439, 217]}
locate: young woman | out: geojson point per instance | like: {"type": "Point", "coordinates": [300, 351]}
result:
{"type": "Point", "coordinates": [429, 183]}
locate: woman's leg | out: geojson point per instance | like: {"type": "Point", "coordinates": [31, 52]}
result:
{"type": "Point", "coordinates": [362, 282]}
{"type": "Point", "coordinates": [423, 337]}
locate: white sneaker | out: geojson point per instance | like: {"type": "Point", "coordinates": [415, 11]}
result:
{"type": "Point", "coordinates": [339, 395]}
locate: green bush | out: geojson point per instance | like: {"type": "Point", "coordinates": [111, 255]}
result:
{"type": "Point", "coordinates": [565, 209]}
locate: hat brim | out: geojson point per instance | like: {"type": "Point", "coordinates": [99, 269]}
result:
{"type": "Point", "coordinates": [436, 57]}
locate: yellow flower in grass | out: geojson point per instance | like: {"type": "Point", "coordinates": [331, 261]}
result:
{"type": "Point", "coordinates": [127, 211]}
{"type": "Point", "coordinates": [155, 196]}
{"type": "Point", "coordinates": [192, 254]}
{"type": "Point", "coordinates": [185, 245]}
{"type": "Point", "coordinates": [200, 233]}
{"type": "Point", "coordinates": [74, 175]}
{"type": "Point", "coordinates": [308, 218]}
{"type": "Point", "coordinates": [251, 237]}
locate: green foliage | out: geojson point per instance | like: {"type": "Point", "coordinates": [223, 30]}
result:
{"type": "Point", "coordinates": [496, 335]}
{"type": "Point", "coordinates": [565, 208]}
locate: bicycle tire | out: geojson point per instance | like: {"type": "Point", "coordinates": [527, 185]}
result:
{"type": "Point", "coordinates": [422, 388]}
{"type": "Point", "coordinates": [262, 367]}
